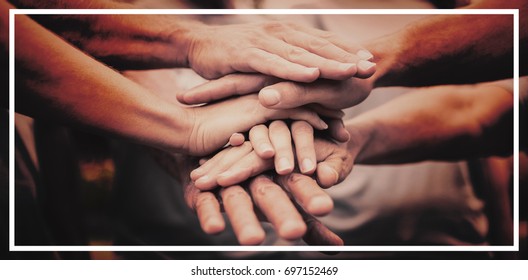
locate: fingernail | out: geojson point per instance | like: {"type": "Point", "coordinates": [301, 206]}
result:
{"type": "Point", "coordinates": [336, 175]}
{"type": "Point", "coordinates": [269, 97]}
{"type": "Point", "coordinates": [312, 70]}
{"type": "Point", "coordinates": [307, 165]}
{"type": "Point", "coordinates": [323, 124]}
{"type": "Point", "coordinates": [346, 66]}
{"type": "Point", "coordinates": [283, 166]}
{"type": "Point", "coordinates": [202, 181]}
{"type": "Point", "coordinates": [195, 174]}
{"type": "Point", "coordinates": [365, 55]}
{"type": "Point", "coordinates": [266, 150]}
{"type": "Point", "coordinates": [365, 65]}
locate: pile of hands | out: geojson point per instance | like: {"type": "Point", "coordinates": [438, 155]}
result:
{"type": "Point", "coordinates": [299, 80]}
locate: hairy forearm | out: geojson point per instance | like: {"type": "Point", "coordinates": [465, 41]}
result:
{"type": "Point", "coordinates": [122, 41]}
{"type": "Point", "coordinates": [58, 82]}
{"type": "Point", "coordinates": [450, 49]}
{"type": "Point", "coordinates": [439, 123]}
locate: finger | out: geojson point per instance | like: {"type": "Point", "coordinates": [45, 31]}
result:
{"type": "Point", "coordinates": [208, 211]}
{"type": "Point", "coordinates": [213, 168]}
{"type": "Point", "coordinates": [321, 46]}
{"type": "Point", "coordinates": [281, 140]}
{"type": "Point", "coordinates": [327, 174]}
{"type": "Point", "coordinates": [307, 193]}
{"type": "Point", "coordinates": [325, 111]}
{"type": "Point", "coordinates": [229, 85]}
{"type": "Point", "coordinates": [249, 166]}
{"type": "Point", "coordinates": [207, 164]}
{"type": "Point", "coordinates": [285, 95]}
{"type": "Point", "coordinates": [303, 137]}
{"type": "Point", "coordinates": [271, 64]}
{"type": "Point", "coordinates": [236, 139]}
{"type": "Point", "coordinates": [329, 68]}
{"type": "Point", "coordinates": [300, 114]}
{"type": "Point", "coordinates": [355, 51]}
{"type": "Point", "coordinates": [239, 210]}
{"type": "Point", "coordinates": [258, 136]}
{"type": "Point", "coordinates": [348, 46]}
{"type": "Point", "coordinates": [365, 69]}
{"type": "Point", "coordinates": [364, 55]}
{"type": "Point", "coordinates": [319, 234]}
{"type": "Point", "coordinates": [274, 203]}
{"type": "Point", "coordinates": [337, 130]}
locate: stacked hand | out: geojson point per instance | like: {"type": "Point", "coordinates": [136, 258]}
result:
{"type": "Point", "coordinates": [258, 180]}
{"type": "Point", "coordinates": [284, 50]}
{"type": "Point", "coordinates": [289, 200]}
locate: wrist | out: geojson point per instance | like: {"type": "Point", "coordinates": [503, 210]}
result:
{"type": "Point", "coordinates": [181, 124]}
{"type": "Point", "coordinates": [183, 37]}
{"type": "Point", "coordinates": [164, 126]}
{"type": "Point", "coordinates": [360, 136]}
{"type": "Point", "coordinates": [388, 55]}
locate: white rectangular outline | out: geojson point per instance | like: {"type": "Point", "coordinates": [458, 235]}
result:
{"type": "Point", "coordinates": [472, 248]}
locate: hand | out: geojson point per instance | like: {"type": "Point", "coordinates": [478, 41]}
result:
{"type": "Point", "coordinates": [285, 50]}
{"type": "Point", "coordinates": [278, 94]}
{"type": "Point", "coordinates": [271, 204]}
{"type": "Point", "coordinates": [236, 164]}
{"type": "Point", "coordinates": [212, 125]}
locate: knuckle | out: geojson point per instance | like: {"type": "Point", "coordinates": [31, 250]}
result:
{"type": "Point", "coordinates": [318, 43]}
{"type": "Point", "coordinates": [231, 84]}
{"type": "Point", "coordinates": [204, 199]}
{"type": "Point", "coordinates": [308, 115]}
{"type": "Point", "coordinates": [245, 57]}
{"type": "Point", "coordinates": [327, 35]}
{"type": "Point", "coordinates": [348, 57]}
{"type": "Point", "coordinates": [274, 26]}
{"type": "Point", "coordinates": [302, 127]}
{"type": "Point", "coordinates": [295, 53]}
{"type": "Point", "coordinates": [272, 59]}
{"type": "Point", "coordinates": [293, 89]}
{"type": "Point", "coordinates": [292, 24]}
{"type": "Point", "coordinates": [277, 125]}
{"type": "Point", "coordinates": [265, 189]}
{"type": "Point", "coordinates": [295, 179]}
{"type": "Point", "coordinates": [234, 194]}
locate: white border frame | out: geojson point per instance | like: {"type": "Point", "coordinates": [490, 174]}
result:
{"type": "Point", "coordinates": [13, 12]}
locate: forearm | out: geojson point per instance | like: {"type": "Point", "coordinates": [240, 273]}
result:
{"type": "Point", "coordinates": [449, 49]}
{"type": "Point", "coordinates": [58, 82]}
{"type": "Point", "coordinates": [439, 123]}
{"type": "Point", "coordinates": [122, 41]}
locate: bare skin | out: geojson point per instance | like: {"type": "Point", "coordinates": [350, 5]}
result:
{"type": "Point", "coordinates": [279, 49]}
{"type": "Point", "coordinates": [79, 90]}
{"type": "Point", "coordinates": [474, 48]}
{"type": "Point", "coordinates": [451, 123]}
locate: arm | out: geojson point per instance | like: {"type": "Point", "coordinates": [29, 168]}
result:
{"type": "Point", "coordinates": [56, 81]}
{"type": "Point", "coordinates": [152, 41]}
{"type": "Point", "coordinates": [447, 49]}
{"type": "Point", "coordinates": [122, 41]}
{"type": "Point", "coordinates": [438, 123]}
{"type": "Point", "coordinates": [443, 49]}
{"type": "Point", "coordinates": [79, 90]}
